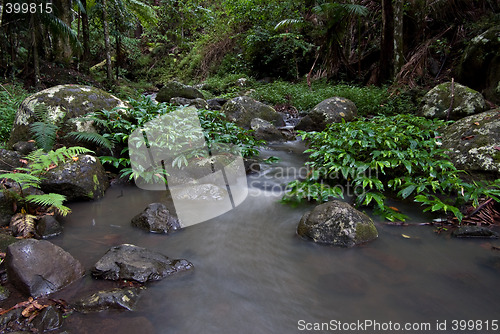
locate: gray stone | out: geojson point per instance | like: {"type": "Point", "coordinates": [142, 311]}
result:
{"type": "Point", "coordinates": [337, 223]}
{"type": "Point", "coordinates": [124, 299]}
{"type": "Point", "coordinates": [466, 102]}
{"type": "Point", "coordinates": [264, 130]}
{"type": "Point", "coordinates": [4, 293]}
{"type": "Point", "coordinates": [241, 110]}
{"type": "Point", "coordinates": [474, 232]}
{"type": "Point", "coordinates": [49, 319]}
{"type": "Point", "coordinates": [182, 101]}
{"type": "Point", "coordinates": [24, 147]}
{"type": "Point", "coordinates": [83, 179]}
{"type": "Point", "coordinates": [9, 160]}
{"type": "Point", "coordinates": [47, 227]}
{"type": "Point", "coordinates": [473, 144]}
{"type": "Point", "coordinates": [216, 104]}
{"type": "Point", "coordinates": [6, 208]}
{"type": "Point", "coordinates": [156, 218]}
{"type": "Point", "coordinates": [177, 89]}
{"type": "Point", "coordinates": [332, 110]}
{"type": "Point", "coordinates": [65, 103]}
{"type": "Point", "coordinates": [5, 241]}
{"type": "Point", "coordinates": [38, 267]}
{"type": "Point", "coordinates": [131, 262]}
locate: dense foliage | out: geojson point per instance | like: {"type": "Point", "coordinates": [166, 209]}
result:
{"type": "Point", "coordinates": [366, 159]}
{"type": "Point", "coordinates": [11, 96]}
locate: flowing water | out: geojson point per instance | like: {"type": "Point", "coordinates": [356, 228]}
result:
{"type": "Point", "coordinates": [254, 275]}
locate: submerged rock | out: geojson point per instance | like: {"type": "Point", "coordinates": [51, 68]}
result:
{"type": "Point", "coordinates": [264, 130]}
{"type": "Point", "coordinates": [48, 319]}
{"type": "Point", "coordinates": [177, 89]}
{"type": "Point", "coordinates": [474, 232]}
{"type": "Point", "coordinates": [466, 102]}
{"type": "Point", "coordinates": [124, 299]}
{"type": "Point", "coordinates": [80, 179]}
{"type": "Point", "coordinates": [332, 110]}
{"type": "Point", "coordinates": [131, 262]}
{"type": "Point", "coordinates": [156, 218]}
{"type": "Point", "coordinates": [337, 223]}
{"type": "Point", "coordinates": [241, 110]}
{"type": "Point", "coordinates": [38, 267]}
{"type": "Point", "coordinates": [47, 227]}
{"type": "Point", "coordinates": [473, 144]}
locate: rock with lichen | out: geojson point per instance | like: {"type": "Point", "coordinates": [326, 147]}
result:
{"type": "Point", "coordinates": [473, 144]}
{"type": "Point", "coordinates": [332, 110]}
{"type": "Point", "coordinates": [65, 105]}
{"type": "Point", "coordinates": [337, 223]}
{"type": "Point", "coordinates": [466, 101]}
{"type": "Point", "coordinates": [241, 110]}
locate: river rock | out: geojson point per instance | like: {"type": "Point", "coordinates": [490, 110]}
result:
{"type": "Point", "coordinates": [5, 241]}
{"type": "Point", "coordinates": [436, 102]}
{"type": "Point", "coordinates": [332, 110]}
{"type": "Point", "coordinates": [473, 144]}
{"type": "Point", "coordinates": [480, 64]}
{"type": "Point", "coordinates": [109, 299]}
{"type": "Point", "coordinates": [156, 218]}
{"type": "Point", "coordinates": [81, 179]}
{"type": "Point", "coordinates": [177, 89]}
{"type": "Point", "coordinates": [216, 104]}
{"type": "Point", "coordinates": [131, 262]}
{"type": "Point", "coordinates": [182, 101]}
{"type": "Point", "coordinates": [65, 103]}
{"type": "Point", "coordinates": [337, 223]}
{"type": "Point", "coordinates": [38, 267]}
{"type": "Point", "coordinates": [264, 130]}
{"type": "Point", "coordinates": [9, 160]}
{"type": "Point", "coordinates": [474, 232]}
{"type": "Point", "coordinates": [24, 147]}
{"type": "Point", "coordinates": [47, 227]}
{"type": "Point", "coordinates": [241, 110]}
{"type": "Point", "coordinates": [6, 208]}
{"type": "Point", "coordinates": [48, 319]}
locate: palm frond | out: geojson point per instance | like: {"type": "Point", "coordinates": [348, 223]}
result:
{"type": "Point", "coordinates": [59, 27]}
{"type": "Point", "coordinates": [288, 23]}
{"type": "Point", "coordinates": [23, 224]}
{"type": "Point", "coordinates": [51, 200]}
{"type": "Point", "coordinates": [355, 10]}
{"type": "Point", "coordinates": [144, 13]}
{"type": "Point", "coordinates": [92, 137]}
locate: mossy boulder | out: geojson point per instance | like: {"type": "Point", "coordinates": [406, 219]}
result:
{"type": "Point", "coordinates": [241, 110]}
{"type": "Point", "coordinates": [264, 130]}
{"type": "Point", "coordinates": [182, 101]}
{"type": "Point", "coordinates": [466, 102]}
{"type": "Point", "coordinates": [83, 178]}
{"type": "Point", "coordinates": [65, 104]}
{"type": "Point", "coordinates": [474, 144]}
{"type": "Point", "coordinates": [177, 89]}
{"type": "Point", "coordinates": [337, 223]}
{"type": "Point", "coordinates": [332, 110]}
{"type": "Point", "coordinates": [479, 67]}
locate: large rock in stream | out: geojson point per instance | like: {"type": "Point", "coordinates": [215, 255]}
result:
{"type": "Point", "coordinates": [332, 110]}
{"type": "Point", "coordinates": [130, 262]}
{"type": "Point", "coordinates": [241, 110]}
{"type": "Point", "coordinates": [65, 104]}
{"type": "Point", "coordinates": [337, 223]}
{"type": "Point", "coordinates": [177, 89]}
{"type": "Point", "coordinates": [109, 299]}
{"type": "Point", "coordinates": [38, 267]}
{"type": "Point", "coordinates": [156, 218]}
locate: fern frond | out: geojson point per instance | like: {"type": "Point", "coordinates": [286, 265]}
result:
{"type": "Point", "coordinates": [40, 110]}
{"type": "Point", "coordinates": [23, 224]}
{"type": "Point", "coordinates": [25, 180]}
{"type": "Point", "coordinates": [44, 134]}
{"type": "Point", "coordinates": [50, 200]}
{"type": "Point", "coordinates": [92, 137]}
{"type": "Point", "coordinates": [74, 150]}
{"type": "Point", "coordinates": [287, 23]}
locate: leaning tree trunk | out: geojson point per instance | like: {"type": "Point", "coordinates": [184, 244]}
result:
{"type": "Point", "coordinates": [107, 46]}
{"type": "Point", "coordinates": [36, 63]}
{"type": "Point", "coordinates": [398, 36]}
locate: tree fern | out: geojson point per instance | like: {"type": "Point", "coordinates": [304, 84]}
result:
{"type": "Point", "coordinates": [92, 137]}
{"type": "Point", "coordinates": [51, 200]}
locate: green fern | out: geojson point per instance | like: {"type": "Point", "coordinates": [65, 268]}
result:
{"type": "Point", "coordinates": [24, 180]}
{"type": "Point", "coordinates": [45, 130]}
{"type": "Point", "coordinates": [41, 161]}
{"type": "Point", "coordinates": [51, 200]}
{"type": "Point", "coordinates": [92, 137]}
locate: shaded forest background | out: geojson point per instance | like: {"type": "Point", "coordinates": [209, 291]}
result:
{"type": "Point", "coordinates": [140, 44]}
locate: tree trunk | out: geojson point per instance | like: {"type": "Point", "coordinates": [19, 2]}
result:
{"type": "Point", "coordinates": [36, 63]}
{"type": "Point", "coordinates": [398, 36]}
{"type": "Point", "coordinates": [86, 36]}
{"type": "Point", "coordinates": [386, 43]}
{"type": "Point", "coordinates": [63, 52]}
{"type": "Point", "coordinates": [107, 46]}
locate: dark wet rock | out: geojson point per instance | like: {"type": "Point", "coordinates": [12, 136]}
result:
{"type": "Point", "coordinates": [337, 223]}
{"type": "Point", "coordinates": [65, 103]}
{"type": "Point", "coordinates": [6, 208]}
{"type": "Point", "coordinates": [264, 130]}
{"type": "Point", "coordinates": [251, 165]}
{"type": "Point", "coordinates": [156, 218]}
{"type": "Point", "coordinates": [83, 179]}
{"type": "Point", "coordinates": [24, 147]}
{"type": "Point", "coordinates": [48, 226]}
{"type": "Point", "coordinates": [177, 89]}
{"type": "Point", "coordinates": [131, 262]}
{"type": "Point", "coordinates": [49, 319]}
{"type": "Point", "coordinates": [9, 160]}
{"type": "Point", "coordinates": [124, 299]}
{"type": "Point", "coordinates": [182, 101]}
{"type": "Point", "coordinates": [4, 293]}
{"type": "Point", "coordinates": [332, 110]}
{"type": "Point", "coordinates": [216, 104]}
{"type": "Point", "coordinates": [474, 232]}
{"type": "Point", "coordinates": [473, 143]}
{"type": "Point", "coordinates": [241, 110]}
{"type": "Point", "coordinates": [38, 267]}
{"type": "Point", "coordinates": [5, 241]}
{"type": "Point", "coordinates": [12, 320]}
{"type": "Point", "coordinates": [436, 102]}
{"type": "Point", "coordinates": [480, 64]}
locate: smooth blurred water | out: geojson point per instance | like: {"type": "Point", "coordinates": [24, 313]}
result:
{"type": "Point", "coordinates": [254, 275]}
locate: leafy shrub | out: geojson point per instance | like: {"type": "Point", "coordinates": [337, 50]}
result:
{"type": "Point", "coordinates": [400, 154]}
{"type": "Point", "coordinates": [11, 96]}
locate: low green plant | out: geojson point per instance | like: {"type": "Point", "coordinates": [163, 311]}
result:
{"type": "Point", "coordinates": [399, 154]}
{"type": "Point", "coordinates": [31, 205]}
{"type": "Point", "coordinates": [11, 96]}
